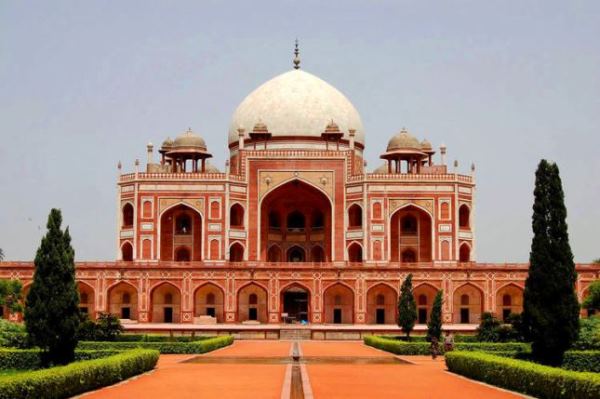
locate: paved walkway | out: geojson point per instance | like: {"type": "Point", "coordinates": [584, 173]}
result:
{"type": "Point", "coordinates": [261, 369]}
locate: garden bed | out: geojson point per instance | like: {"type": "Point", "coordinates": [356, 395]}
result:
{"type": "Point", "coordinates": [399, 347]}
{"type": "Point", "coordinates": [197, 347]}
{"type": "Point", "coordinates": [524, 376]}
{"type": "Point", "coordinates": [77, 377]}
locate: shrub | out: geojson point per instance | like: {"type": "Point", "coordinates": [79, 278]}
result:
{"type": "Point", "coordinates": [523, 376]}
{"type": "Point", "coordinates": [106, 327]}
{"type": "Point", "coordinates": [488, 330]}
{"type": "Point", "coordinates": [12, 334]}
{"type": "Point", "coordinates": [589, 334]}
{"type": "Point", "coordinates": [202, 346]}
{"type": "Point", "coordinates": [78, 377]}
{"type": "Point", "coordinates": [29, 359]}
{"type": "Point", "coordinates": [159, 338]}
{"type": "Point", "coordinates": [582, 361]}
{"type": "Point", "coordinates": [422, 348]}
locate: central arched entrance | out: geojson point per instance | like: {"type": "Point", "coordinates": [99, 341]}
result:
{"type": "Point", "coordinates": [295, 218]}
{"type": "Point", "coordinates": [295, 303]}
{"type": "Point", "coordinates": [411, 231]}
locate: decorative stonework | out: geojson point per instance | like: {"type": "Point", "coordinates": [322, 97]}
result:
{"type": "Point", "coordinates": [395, 204]}
{"type": "Point", "coordinates": [194, 203]}
{"type": "Point", "coordinates": [270, 179]}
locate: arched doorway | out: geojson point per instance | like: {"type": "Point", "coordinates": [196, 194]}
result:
{"type": "Point", "coordinates": [464, 253]}
{"type": "Point", "coordinates": [181, 234]}
{"type": "Point", "coordinates": [424, 296]}
{"type": "Point", "coordinates": [127, 252]}
{"type": "Point", "coordinates": [295, 303]}
{"type": "Point", "coordinates": [292, 215]}
{"type": "Point", "coordinates": [382, 305]}
{"type": "Point", "coordinates": [127, 216]}
{"type": "Point", "coordinates": [464, 217]}
{"type": "Point", "coordinates": [411, 230]}
{"type": "Point", "coordinates": [86, 299]}
{"type": "Point", "coordinates": [123, 301]}
{"type": "Point", "coordinates": [236, 252]}
{"type": "Point", "coordinates": [209, 301]}
{"type": "Point", "coordinates": [338, 306]}
{"type": "Point", "coordinates": [296, 254]}
{"type": "Point", "coordinates": [509, 300]}
{"type": "Point", "coordinates": [355, 253]}
{"type": "Point", "coordinates": [252, 304]}
{"type": "Point", "coordinates": [468, 304]}
{"type": "Point", "coordinates": [166, 304]}
{"type": "Point", "coordinates": [236, 216]}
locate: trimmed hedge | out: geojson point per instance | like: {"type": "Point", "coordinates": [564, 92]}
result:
{"type": "Point", "coordinates": [582, 361]}
{"type": "Point", "coordinates": [158, 338]}
{"type": "Point", "coordinates": [78, 377]}
{"type": "Point", "coordinates": [422, 348]}
{"type": "Point", "coordinates": [29, 359]}
{"type": "Point", "coordinates": [523, 376]}
{"type": "Point", "coordinates": [573, 360]}
{"type": "Point", "coordinates": [203, 346]}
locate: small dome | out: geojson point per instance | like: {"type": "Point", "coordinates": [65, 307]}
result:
{"type": "Point", "coordinates": [332, 127]}
{"type": "Point", "coordinates": [403, 141]}
{"type": "Point", "coordinates": [382, 169]}
{"type": "Point", "coordinates": [189, 140]}
{"type": "Point", "coordinates": [260, 128]}
{"type": "Point", "coordinates": [426, 146]}
{"type": "Point", "coordinates": [210, 168]}
{"type": "Point", "coordinates": [168, 143]}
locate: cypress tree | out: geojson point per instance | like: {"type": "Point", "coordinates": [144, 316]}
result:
{"type": "Point", "coordinates": [52, 306]}
{"type": "Point", "coordinates": [550, 306]}
{"type": "Point", "coordinates": [407, 308]}
{"type": "Point", "coordinates": [434, 327]}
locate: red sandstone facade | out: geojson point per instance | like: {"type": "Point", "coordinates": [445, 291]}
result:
{"type": "Point", "coordinates": [295, 227]}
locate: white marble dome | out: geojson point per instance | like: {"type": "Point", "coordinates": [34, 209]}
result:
{"type": "Point", "coordinates": [296, 103]}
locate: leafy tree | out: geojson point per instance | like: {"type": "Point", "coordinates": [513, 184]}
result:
{"type": "Point", "coordinates": [11, 295]}
{"type": "Point", "coordinates": [593, 299]}
{"type": "Point", "coordinates": [52, 306]}
{"type": "Point", "coordinates": [1, 254]}
{"type": "Point", "coordinates": [434, 327]}
{"type": "Point", "coordinates": [489, 328]}
{"type": "Point", "coordinates": [596, 261]}
{"type": "Point", "coordinates": [407, 308]}
{"type": "Point", "coordinates": [550, 308]}
{"type": "Point", "coordinates": [107, 327]}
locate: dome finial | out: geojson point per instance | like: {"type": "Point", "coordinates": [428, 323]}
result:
{"type": "Point", "coordinates": [296, 58]}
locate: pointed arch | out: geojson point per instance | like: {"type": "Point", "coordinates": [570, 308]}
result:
{"type": "Point", "coordinates": [355, 252]}
{"type": "Point", "coordinates": [355, 213]}
{"type": "Point", "coordinates": [424, 294]}
{"type": "Point", "coordinates": [236, 215]}
{"type": "Point", "coordinates": [209, 300]}
{"type": "Point", "coordinates": [252, 310]}
{"type": "Point", "coordinates": [274, 253]}
{"type": "Point", "coordinates": [123, 300]}
{"type": "Point", "coordinates": [165, 298]}
{"type": "Point", "coordinates": [127, 251]}
{"type": "Point", "coordinates": [410, 224]}
{"type": "Point", "coordinates": [464, 252]}
{"type": "Point", "coordinates": [509, 300]}
{"type": "Point", "coordinates": [168, 230]}
{"type": "Point", "coordinates": [338, 304]}
{"type": "Point", "coordinates": [127, 215]}
{"type": "Point", "coordinates": [236, 252]}
{"type": "Point", "coordinates": [382, 304]}
{"type": "Point", "coordinates": [467, 312]}
{"type": "Point", "coordinates": [87, 299]}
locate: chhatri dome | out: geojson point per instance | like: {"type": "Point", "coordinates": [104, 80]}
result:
{"type": "Point", "coordinates": [296, 103]}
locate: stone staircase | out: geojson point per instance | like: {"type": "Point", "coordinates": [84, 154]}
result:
{"type": "Point", "coordinates": [295, 334]}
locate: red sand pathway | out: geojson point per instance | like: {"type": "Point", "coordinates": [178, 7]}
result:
{"type": "Point", "coordinates": [423, 379]}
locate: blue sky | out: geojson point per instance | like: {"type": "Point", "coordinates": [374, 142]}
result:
{"type": "Point", "coordinates": [501, 83]}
